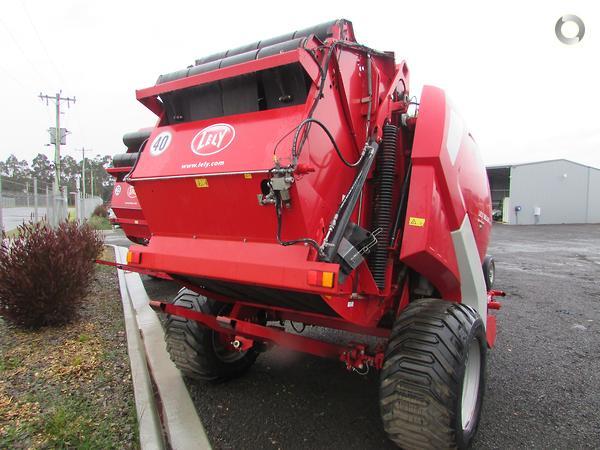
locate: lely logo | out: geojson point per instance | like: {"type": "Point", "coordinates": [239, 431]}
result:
{"type": "Point", "coordinates": [213, 139]}
{"type": "Point", "coordinates": [131, 192]}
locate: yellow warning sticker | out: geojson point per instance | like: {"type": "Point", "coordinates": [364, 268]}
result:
{"type": "Point", "coordinates": [201, 182]}
{"type": "Point", "coordinates": [416, 221]}
{"type": "Point", "coordinates": [248, 176]}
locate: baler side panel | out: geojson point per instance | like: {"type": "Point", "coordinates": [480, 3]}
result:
{"type": "Point", "coordinates": [448, 181]}
{"type": "Point", "coordinates": [427, 245]}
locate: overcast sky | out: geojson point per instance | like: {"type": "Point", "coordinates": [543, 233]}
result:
{"type": "Point", "coordinates": [524, 95]}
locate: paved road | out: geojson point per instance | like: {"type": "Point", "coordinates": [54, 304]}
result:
{"type": "Point", "coordinates": [13, 217]}
{"type": "Point", "coordinates": [116, 237]}
{"type": "Point", "coordinates": [543, 375]}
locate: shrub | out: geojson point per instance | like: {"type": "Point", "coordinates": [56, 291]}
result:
{"type": "Point", "coordinates": [99, 223]}
{"type": "Point", "coordinates": [101, 210]}
{"type": "Point", "coordinates": [45, 272]}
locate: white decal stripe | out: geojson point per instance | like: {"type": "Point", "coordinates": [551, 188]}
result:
{"type": "Point", "coordinates": [455, 134]}
{"type": "Point", "coordinates": [472, 284]}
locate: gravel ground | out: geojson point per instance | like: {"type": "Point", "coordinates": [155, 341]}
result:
{"type": "Point", "coordinates": [543, 374]}
{"type": "Point", "coordinates": [70, 386]}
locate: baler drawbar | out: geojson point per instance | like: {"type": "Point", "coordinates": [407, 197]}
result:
{"type": "Point", "coordinates": [295, 182]}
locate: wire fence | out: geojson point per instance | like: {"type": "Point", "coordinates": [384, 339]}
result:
{"type": "Point", "coordinates": [33, 201]}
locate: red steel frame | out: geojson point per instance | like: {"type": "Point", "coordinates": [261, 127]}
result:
{"type": "Point", "coordinates": [238, 325]}
{"type": "Point", "coordinates": [439, 198]}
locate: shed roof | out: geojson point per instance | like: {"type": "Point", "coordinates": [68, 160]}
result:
{"type": "Point", "coordinates": [507, 166]}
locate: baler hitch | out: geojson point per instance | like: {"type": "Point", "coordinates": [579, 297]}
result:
{"type": "Point", "coordinates": [492, 303]}
{"type": "Point", "coordinates": [359, 361]}
{"type": "Point", "coordinates": [249, 334]}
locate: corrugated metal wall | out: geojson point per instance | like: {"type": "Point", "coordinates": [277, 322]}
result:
{"type": "Point", "coordinates": [560, 191]}
{"type": "Point", "coordinates": [593, 212]}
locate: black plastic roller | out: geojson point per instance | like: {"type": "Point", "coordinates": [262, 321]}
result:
{"type": "Point", "coordinates": [125, 159]}
{"type": "Point", "coordinates": [134, 140]}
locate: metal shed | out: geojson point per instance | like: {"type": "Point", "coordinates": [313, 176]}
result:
{"type": "Point", "coordinates": [545, 192]}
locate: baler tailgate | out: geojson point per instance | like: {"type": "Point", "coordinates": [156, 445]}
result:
{"type": "Point", "coordinates": [233, 144]}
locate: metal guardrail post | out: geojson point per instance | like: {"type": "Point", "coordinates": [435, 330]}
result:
{"type": "Point", "coordinates": [48, 210]}
{"type": "Point", "coordinates": [65, 202]}
{"type": "Point", "coordinates": [35, 199]}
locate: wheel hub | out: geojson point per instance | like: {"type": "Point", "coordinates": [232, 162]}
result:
{"type": "Point", "coordinates": [470, 388]}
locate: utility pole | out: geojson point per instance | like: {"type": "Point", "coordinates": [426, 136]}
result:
{"type": "Point", "coordinates": [92, 177]}
{"type": "Point", "coordinates": [82, 150]}
{"type": "Point", "coordinates": [58, 137]}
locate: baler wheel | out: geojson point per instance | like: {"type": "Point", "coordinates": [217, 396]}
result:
{"type": "Point", "coordinates": [489, 271]}
{"type": "Point", "coordinates": [432, 382]}
{"type": "Point", "coordinates": [200, 352]}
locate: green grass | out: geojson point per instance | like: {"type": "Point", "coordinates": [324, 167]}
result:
{"type": "Point", "coordinates": [99, 223]}
{"type": "Point", "coordinates": [71, 422]}
{"type": "Point", "coordinates": [9, 363]}
{"type": "Point", "coordinates": [84, 338]}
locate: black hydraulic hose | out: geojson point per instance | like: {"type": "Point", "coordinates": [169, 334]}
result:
{"type": "Point", "coordinates": [139, 153]}
{"type": "Point", "coordinates": [324, 69]}
{"type": "Point", "coordinates": [382, 216]}
{"type": "Point", "coordinates": [307, 241]}
{"type": "Point", "coordinates": [340, 220]}
{"type": "Point", "coordinates": [296, 153]}
{"type": "Point", "coordinates": [297, 149]}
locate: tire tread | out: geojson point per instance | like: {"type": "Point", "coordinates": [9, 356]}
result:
{"type": "Point", "coordinates": [188, 343]}
{"type": "Point", "coordinates": [419, 381]}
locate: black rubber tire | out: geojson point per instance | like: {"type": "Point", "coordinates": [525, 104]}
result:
{"type": "Point", "coordinates": [421, 385]}
{"type": "Point", "coordinates": [192, 346]}
{"type": "Point", "coordinates": [489, 271]}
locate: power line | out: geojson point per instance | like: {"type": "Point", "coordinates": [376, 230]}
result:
{"type": "Point", "coordinates": [12, 77]}
{"type": "Point", "coordinates": [60, 77]}
{"type": "Point", "coordinates": [14, 39]}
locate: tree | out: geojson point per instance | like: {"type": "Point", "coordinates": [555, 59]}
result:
{"type": "Point", "coordinates": [103, 182]}
{"type": "Point", "coordinates": [16, 174]}
{"type": "Point", "coordinates": [70, 169]}
{"type": "Point", "coordinates": [42, 169]}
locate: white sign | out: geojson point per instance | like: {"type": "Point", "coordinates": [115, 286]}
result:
{"type": "Point", "coordinates": [160, 143]}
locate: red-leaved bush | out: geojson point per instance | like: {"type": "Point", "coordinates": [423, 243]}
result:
{"type": "Point", "coordinates": [45, 272]}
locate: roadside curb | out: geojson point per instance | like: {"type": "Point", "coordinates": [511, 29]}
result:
{"type": "Point", "coordinates": [150, 362]}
